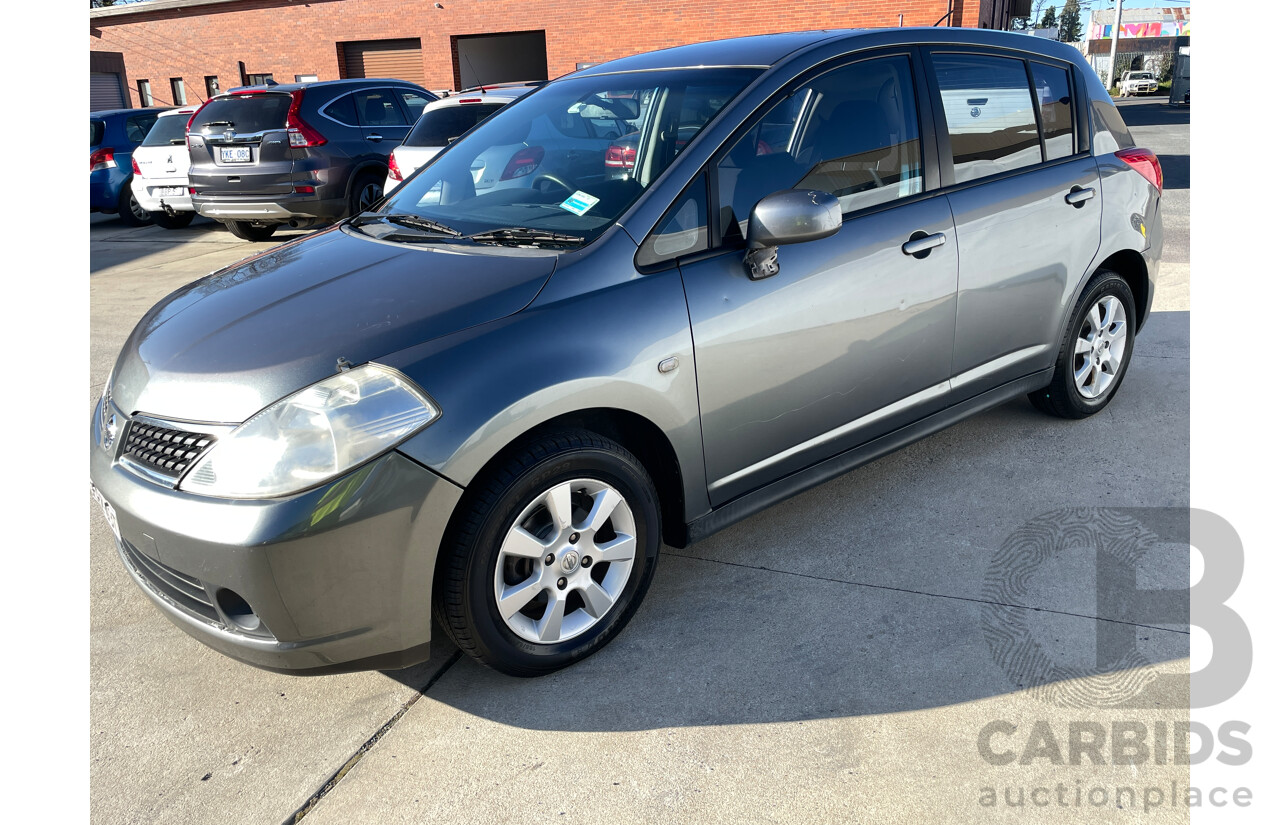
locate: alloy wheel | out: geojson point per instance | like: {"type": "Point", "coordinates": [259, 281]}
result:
{"type": "Point", "coordinates": [565, 561]}
{"type": "Point", "coordinates": [1100, 347]}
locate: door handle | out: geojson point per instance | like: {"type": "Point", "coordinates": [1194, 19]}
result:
{"type": "Point", "coordinates": [374, 138]}
{"type": "Point", "coordinates": [1077, 196]}
{"type": "Point", "coordinates": [920, 243]}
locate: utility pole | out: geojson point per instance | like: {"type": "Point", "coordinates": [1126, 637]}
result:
{"type": "Point", "coordinates": [1115, 42]}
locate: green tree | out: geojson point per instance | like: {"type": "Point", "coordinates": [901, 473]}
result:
{"type": "Point", "coordinates": [1069, 23]}
{"type": "Point", "coordinates": [1050, 18]}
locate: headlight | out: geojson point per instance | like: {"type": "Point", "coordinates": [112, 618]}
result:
{"type": "Point", "coordinates": [108, 424]}
{"type": "Point", "coordinates": [313, 435]}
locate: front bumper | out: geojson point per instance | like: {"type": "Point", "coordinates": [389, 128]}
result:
{"type": "Point", "coordinates": [339, 577]}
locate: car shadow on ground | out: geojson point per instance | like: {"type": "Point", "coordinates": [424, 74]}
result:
{"type": "Point", "coordinates": [1177, 171]}
{"type": "Point", "coordinates": [1154, 112]}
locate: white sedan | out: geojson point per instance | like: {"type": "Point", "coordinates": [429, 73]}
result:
{"type": "Point", "coordinates": [160, 167]}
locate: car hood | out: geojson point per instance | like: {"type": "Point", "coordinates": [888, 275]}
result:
{"type": "Point", "coordinates": [222, 348]}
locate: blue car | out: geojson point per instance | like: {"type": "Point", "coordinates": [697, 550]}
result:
{"type": "Point", "coordinates": [113, 135]}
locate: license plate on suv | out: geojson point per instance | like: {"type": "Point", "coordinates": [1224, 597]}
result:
{"type": "Point", "coordinates": [235, 154]}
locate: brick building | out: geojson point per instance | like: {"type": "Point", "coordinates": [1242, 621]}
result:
{"type": "Point", "coordinates": [174, 51]}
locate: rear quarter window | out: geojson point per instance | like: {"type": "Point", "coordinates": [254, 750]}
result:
{"type": "Point", "coordinates": [342, 110]}
{"type": "Point", "coordinates": [1110, 134]}
{"type": "Point", "coordinates": [97, 129]}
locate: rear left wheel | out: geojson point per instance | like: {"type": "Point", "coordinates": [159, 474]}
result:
{"type": "Point", "coordinates": [552, 555]}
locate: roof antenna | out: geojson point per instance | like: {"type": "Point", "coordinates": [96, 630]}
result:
{"type": "Point", "coordinates": [474, 73]}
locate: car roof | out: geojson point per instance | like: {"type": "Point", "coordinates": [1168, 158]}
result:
{"type": "Point", "coordinates": [103, 114]}
{"type": "Point", "coordinates": [351, 82]}
{"type": "Point", "coordinates": [768, 50]}
{"type": "Point", "coordinates": [491, 95]}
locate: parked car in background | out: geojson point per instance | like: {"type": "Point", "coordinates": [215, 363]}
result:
{"type": "Point", "coordinates": [1138, 83]}
{"type": "Point", "coordinates": [487, 409]}
{"type": "Point", "coordinates": [443, 122]}
{"type": "Point", "coordinates": [113, 135]}
{"type": "Point", "coordinates": [301, 154]}
{"type": "Point", "coordinates": [160, 170]}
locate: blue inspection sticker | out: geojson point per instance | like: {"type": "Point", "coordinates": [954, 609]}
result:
{"type": "Point", "coordinates": [579, 202]}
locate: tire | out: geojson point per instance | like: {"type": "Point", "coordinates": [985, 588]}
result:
{"type": "Point", "coordinates": [130, 211]}
{"type": "Point", "coordinates": [507, 528]}
{"type": "Point", "coordinates": [366, 190]}
{"type": "Point", "coordinates": [178, 220]}
{"type": "Point", "coordinates": [251, 232]}
{"type": "Point", "coordinates": [1078, 396]}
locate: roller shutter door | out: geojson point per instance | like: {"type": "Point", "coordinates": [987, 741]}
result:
{"type": "Point", "coordinates": [401, 59]}
{"type": "Point", "coordinates": [104, 91]}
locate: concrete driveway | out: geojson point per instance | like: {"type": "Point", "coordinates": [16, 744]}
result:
{"type": "Point", "coordinates": [844, 656]}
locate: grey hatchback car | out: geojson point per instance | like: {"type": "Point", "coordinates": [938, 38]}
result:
{"type": "Point", "coordinates": [493, 407]}
{"type": "Point", "coordinates": [299, 154]}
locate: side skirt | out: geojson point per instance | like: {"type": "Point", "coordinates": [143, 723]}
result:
{"type": "Point", "coordinates": [753, 502]}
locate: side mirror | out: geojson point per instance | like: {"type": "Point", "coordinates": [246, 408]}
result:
{"type": "Point", "coordinates": [789, 216]}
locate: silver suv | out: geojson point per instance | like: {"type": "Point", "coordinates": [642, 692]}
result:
{"type": "Point", "coordinates": [495, 405]}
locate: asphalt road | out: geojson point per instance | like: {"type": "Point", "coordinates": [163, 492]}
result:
{"type": "Point", "coordinates": [839, 657]}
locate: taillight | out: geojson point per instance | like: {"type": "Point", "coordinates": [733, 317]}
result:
{"type": "Point", "coordinates": [190, 120]}
{"type": "Point", "coordinates": [301, 134]}
{"type": "Point", "coordinates": [620, 157]}
{"type": "Point", "coordinates": [102, 159]}
{"type": "Point", "coordinates": [1146, 163]}
{"type": "Point", "coordinates": [523, 162]}
{"type": "Point", "coordinates": [393, 169]}
{"type": "Point", "coordinates": [136, 170]}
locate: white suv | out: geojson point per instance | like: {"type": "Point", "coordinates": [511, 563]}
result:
{"type": "Point", "coordinates": [443, 121]}
{"type": "Point", "coordinates": [160, 167]}
{"type": "Point", "coordinates": [1137, 83]}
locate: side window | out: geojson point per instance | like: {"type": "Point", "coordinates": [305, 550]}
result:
{"type": "Point", "coordinates": [853, 132]}
{"type": "Point", "coordinates": [989, 114]}
{"type": "Point", "coordinates": [682, 231]}
{"type": "Point", "coordinates": [413, 103]}
{"type": "Point", "coordinates": [136, 128]}
{"type": "Point", "coordinates": [343, 110]}
{"type": "Point", "coordinates": [377, 107]}
{"type": "Point", "coordinates": [1053, 93]}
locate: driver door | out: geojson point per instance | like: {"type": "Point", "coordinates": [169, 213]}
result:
{"type": "Point", "coordinates": [853, 338]}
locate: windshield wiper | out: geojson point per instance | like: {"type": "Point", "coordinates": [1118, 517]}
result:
{"type": "Point", "coordinates": [523, 234]}
{"type": "Point", "coordinates": [411, 221]}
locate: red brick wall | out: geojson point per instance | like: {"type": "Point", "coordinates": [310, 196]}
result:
{"type": "Point", "coordinates": [300, 37]}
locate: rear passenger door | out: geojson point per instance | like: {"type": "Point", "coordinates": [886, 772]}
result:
{"type": "Point", "coordinates": [1024, 191]}
{"type": "Point", "coordinates": [382, 121]}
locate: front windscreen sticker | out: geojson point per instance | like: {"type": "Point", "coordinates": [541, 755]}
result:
{"type": "Point", "coordinates": [579, 202]}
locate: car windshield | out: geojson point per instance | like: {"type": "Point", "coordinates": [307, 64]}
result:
{"type": "Point", "coordinates": [167, 131]}
{"type": "Point", "coordinates": [1141, 75]}
{"type": "Point", "coordinates": [544, 170]}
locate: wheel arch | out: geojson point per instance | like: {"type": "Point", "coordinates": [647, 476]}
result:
{"type": "Point", "coordinates": [637, 434]}
{"type": "Point", "coordinates": [1129, 264]}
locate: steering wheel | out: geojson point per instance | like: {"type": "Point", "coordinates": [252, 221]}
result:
{"type": "Point", "coordinates": [547, 176]}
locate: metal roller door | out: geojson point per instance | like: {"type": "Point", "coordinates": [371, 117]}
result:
{"type": "Point", "coordinates": [104, 91]}
{"type": "Point", "coordinates": [401, 59]}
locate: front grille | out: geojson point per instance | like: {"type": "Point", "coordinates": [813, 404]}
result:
{"type": "Point", "coordinates": [178, 589]}
{"type": "Point", "coordinates": [167, 451]}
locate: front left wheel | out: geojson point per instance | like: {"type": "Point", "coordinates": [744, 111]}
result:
{"type": "Point", "coordinates": [550, 556]}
